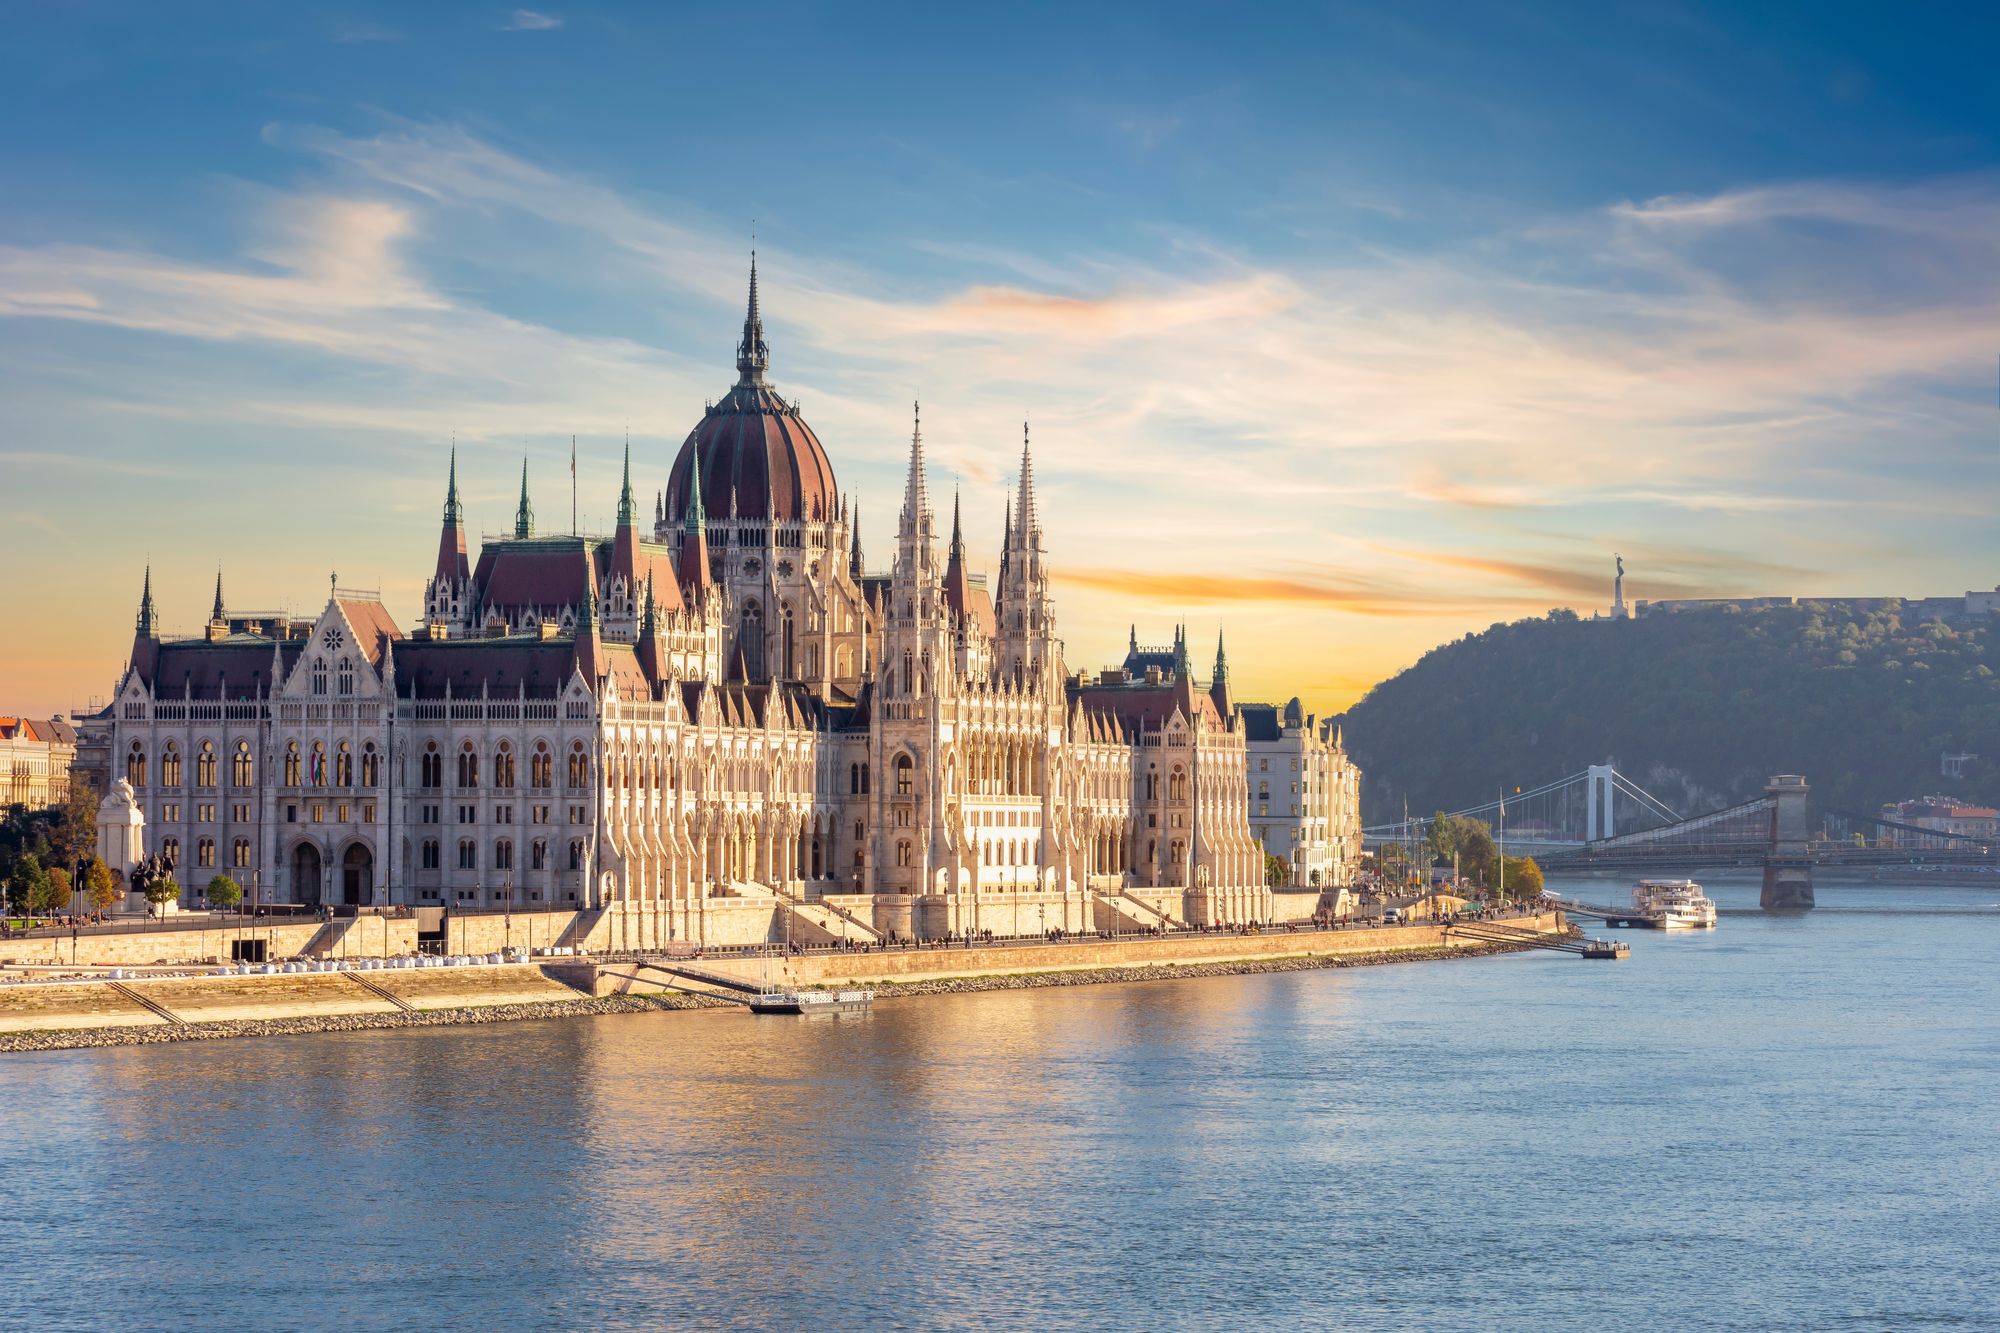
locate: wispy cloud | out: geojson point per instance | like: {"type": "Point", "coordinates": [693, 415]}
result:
{"type": "Point", "coordinates": [528, 20]}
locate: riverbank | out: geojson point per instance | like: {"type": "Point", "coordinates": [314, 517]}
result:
{"type": "Point", "coordinates": [69, 1015]}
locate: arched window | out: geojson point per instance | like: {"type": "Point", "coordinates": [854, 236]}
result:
{"type": "Point", "coordinates": [542, 768]}
{"type": "Point", "coordinates": [292, 764]}
{"type": "Point", "coordinates": [239, 854]}
{"type": "Point", "coordinates": [1152, 786]}
{"type": "Point", "coordinates": [430, 854]}
{"type": "Point", "coordinates": [204, 765]}
{"type": "Point", "coordinates": [343, 766]}
{"type": "Point", "coordinates": [750, 639]}
{"type": "Point", "coordinates": [243, 770]}
{"type": "Point", "coordinates": [135, 767]}
{"type": "Point", "coordinates": [204, 852]}
{"type": "Point", "coordinates": [854, 779]}
{"type": "Point", "coordinates": [170, 848]}
{"type": "Point", "coordinates": [371, 766]}
{"type": "Point", "coordinates": [788, 663]}
{"type": "Point", "coordinates": [538, 854]}
{"type": "Point", "coordinates": [1177, 785]}
{"type": "Point", "coordinates": [319, 675]}
{"type": "Point", "coordinates": [346, 676]}
{"type": "Point", "coordinates": [432, 766]}
{"type": "Point", "coordinates": [576, 854]}
{"type": "Point", "coordinates": [864, 779]}
{"type": "Point", "coordinates": [905, 775]}
{"type": "Point", "coordinates": [503, 766]}
{"type": "Point", "coordinates": [170, 767]}
{"type": "Point", "coordinates": [316, 764]}
{"type": "Point", "coordinates": [503, 854]}
{"type": "Point", "coordinates": [909, 672]}
{"type": "Point", "coordinates": [468, 854]}
{"type": "Point", "coordinates": [579, 765]}
{"type": "Point", "coordinates": [468, 767]}
{"type": "Point", "coordinates": [903, 854]}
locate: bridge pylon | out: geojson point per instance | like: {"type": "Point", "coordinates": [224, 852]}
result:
{"type": "Point", "coordinates": [1787, 865]}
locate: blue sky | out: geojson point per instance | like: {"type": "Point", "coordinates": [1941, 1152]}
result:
{"type": "Point", "coordinates": [1350, 328]}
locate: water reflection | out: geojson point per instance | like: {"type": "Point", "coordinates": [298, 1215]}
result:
{"type": "Point", "coordinates": [1789, 1115]}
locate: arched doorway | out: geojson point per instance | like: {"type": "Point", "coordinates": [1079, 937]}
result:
{"type": "Point", "coordinates": [307, 886]}
{"type": "Point", "coordinates": [357, 876]}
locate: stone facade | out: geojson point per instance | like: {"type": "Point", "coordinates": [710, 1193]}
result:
{"type": "Point", "coordinates": [35, 757]}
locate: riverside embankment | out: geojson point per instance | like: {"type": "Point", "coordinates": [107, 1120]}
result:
{"type": "Point", "coordinates": [133, 1010]}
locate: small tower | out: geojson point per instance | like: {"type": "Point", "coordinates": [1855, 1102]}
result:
{"type": "Point", "coordinates": [448, 599]}
{"type": "Point", "coordinates": [524, 513]}
{"type": "Point", "coordinates": [1218, 689]}
{"type": "Point", "coordinates": [218, 616]}
{"type": "Point", "coordinates": [695, 575]}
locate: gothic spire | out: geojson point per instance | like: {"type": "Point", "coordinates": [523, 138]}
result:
{"type": "Point", "coordinates": [626, 510]}
{"type": "Point", "coordinates": [454, 512]}
{"type": "Point", "coordinates": [524, 514]}
{"type": "Point", "coordinates": [854, 548]}
{"type": "Point", "coordinates": [651, 627]}
{"type": "Point", "coordinates": [215, 612]}
{"type": "Point", "coordinates": [697, 521]}
{"type": "Point", "coordinates": [1221, 659]}
{"type": "Point", "coordinates": [148, 624]}
{"type": "Point", "coordinates": [1024, 506]}
{"type": "Point", "coordinates": [957, 534]}
{"type": "Point", "coordinates": [916, 500]}
{"type": "Point", "coordinates": [753, 357]}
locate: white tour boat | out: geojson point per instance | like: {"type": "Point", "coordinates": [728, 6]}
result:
{"type": "Point", "coordinates": [1674, 904]}
{"type": "Point", "coordinates": [810, 1001]}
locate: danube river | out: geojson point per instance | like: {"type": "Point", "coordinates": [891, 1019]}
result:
{"type": "Point", "coordinates": [1793, 1122]}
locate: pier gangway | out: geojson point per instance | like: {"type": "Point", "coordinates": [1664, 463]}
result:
{"type": "Point", "coordinates": [1492, 932]}
{"type": "Point", "coordinates": [721, 985]}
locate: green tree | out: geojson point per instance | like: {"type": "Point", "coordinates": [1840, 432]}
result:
{"type": "Point", "coordinates": [73, 825]}
{"type": "Point", "coordinates": [51, 893]}
{"type": "Point", "coordinates": [27, 885]}
{"type": "Point", "coordinates": [224, 892]}
{"type": "Point", "coordinates": [1276, 872]}
{"type": "Point", "coordinates": [161, 889]}
{"type": "Point", "coordinates": [100, 890]}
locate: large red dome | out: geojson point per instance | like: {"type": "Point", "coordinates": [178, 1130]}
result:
{"type": "Point", "coordinates": [756, 453]}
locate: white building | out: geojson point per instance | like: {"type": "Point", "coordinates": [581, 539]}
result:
{"type": "Point", "coordinates": [1304, 794]}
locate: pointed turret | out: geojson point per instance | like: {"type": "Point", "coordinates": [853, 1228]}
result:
{"type": "Point", "coordinates": [589, 643]}
{"type": "Point", "coordinates": [218, 617]}
{"type": "Point", "coordinates": [694, 570]}
{"type": "Point", "coordinates": [957, 588]}
{"type": "Point", "coordinates": [524, 513]}
{"type": "Point", "coordinates": [753, 357]}
{"type": "Point", "coordinates": [915, 520]}
{"type": "Point", "coordinates": [627, 511]}
{"type": "Point", "coordinates": [148, 624]}
{"type": "Point", "coordinates": [1218, 689]}
{"type": "Point", "coordinates": [854, 548]}
{"type": "Point", "coordinates": [452, 566]}
{"type": "Point", "coordinates": [448, 600]}
{"type": "Point", "coordinates": [1024, 506]}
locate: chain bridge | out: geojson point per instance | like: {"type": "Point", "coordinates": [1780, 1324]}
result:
{"type": "Point", "coordinates": [1599, 819]}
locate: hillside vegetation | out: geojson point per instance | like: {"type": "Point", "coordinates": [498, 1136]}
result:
{"type": "Point", "coordinates": [1698, 707]}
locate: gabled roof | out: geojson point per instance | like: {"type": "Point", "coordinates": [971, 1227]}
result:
{"type": "Point", "coordinates": [373, 626]}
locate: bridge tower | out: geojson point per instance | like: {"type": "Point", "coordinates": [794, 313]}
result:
{"type": "Point", "coordinates": [1787, 866]}
{"type": "Point", "coordinates": [1597, 821]}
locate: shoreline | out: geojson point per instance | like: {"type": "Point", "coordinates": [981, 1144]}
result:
{"type": "Point", "coordinates": [67, 1039]}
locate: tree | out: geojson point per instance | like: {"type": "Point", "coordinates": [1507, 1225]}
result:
{"type": "Point", "coordinates": [28, 884]}
{"type": "Point", "coordinates": [155, 878]}
{"type": "Point", "coordinates": [224, 892]}
{"type": "Point", "coordinates": [1276, 872]}
{"type": "Point", "coordinates": [1524, 877]}
{"type": "Point", "coordinates": [100, 890]}
{"type": "Point", "coordinates": [73, 825]}
{"type": "Point", "coordinates": [51, 891]}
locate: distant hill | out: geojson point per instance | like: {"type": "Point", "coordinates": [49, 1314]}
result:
{"type": "Point", "coordinates": [1699, 707]}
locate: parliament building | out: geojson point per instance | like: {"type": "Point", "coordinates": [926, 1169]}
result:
{"type": "Point", "coordinates": [721, 707]}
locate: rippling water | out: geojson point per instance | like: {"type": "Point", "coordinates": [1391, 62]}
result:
{"type": "Point", "coordinates": [1793, 1122]}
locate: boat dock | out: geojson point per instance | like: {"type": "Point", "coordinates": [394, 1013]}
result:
{"type": "Point", "coordinates": [1492, 932]}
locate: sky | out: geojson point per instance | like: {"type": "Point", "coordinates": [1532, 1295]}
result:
{"type": "Point", "coordinates": [1343, 329]}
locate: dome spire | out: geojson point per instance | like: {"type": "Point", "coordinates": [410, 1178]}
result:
{"type": "Point", "coordinates": [753, 356]}
{"type": "Point", "coordinates": [524, 514]}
